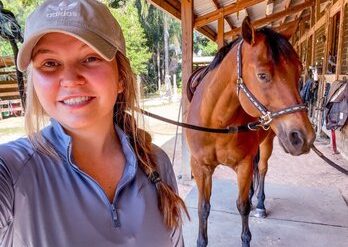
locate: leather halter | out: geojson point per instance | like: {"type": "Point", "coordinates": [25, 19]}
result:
{"type": "Point", "coordinates": [266, 116]}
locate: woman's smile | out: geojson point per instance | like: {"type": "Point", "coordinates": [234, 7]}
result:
{"type": "Point", "coordinates": [77, 100]}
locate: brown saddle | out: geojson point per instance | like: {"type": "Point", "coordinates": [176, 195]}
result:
{"type": "Point", "coordinates": [193, 82]}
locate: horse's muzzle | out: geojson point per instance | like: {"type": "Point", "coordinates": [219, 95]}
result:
{"type": "Point", "coordinates": [296, 142]}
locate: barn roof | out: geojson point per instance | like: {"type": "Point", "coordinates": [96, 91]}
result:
{"type": "Point", "coordinates": [274, 13]}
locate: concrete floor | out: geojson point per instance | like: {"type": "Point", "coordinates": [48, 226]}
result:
{"type": "Point", "coordinates": [297, 217]}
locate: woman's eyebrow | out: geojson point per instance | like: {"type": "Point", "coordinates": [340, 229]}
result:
{"type": "Point", "coordinates": [42, 51]}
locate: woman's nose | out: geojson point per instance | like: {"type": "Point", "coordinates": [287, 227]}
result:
{"type": "Point", "coordinates": [71, 78]}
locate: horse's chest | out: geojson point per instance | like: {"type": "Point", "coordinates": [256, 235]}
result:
{"type": "Point", "coordinates": [229, 149]}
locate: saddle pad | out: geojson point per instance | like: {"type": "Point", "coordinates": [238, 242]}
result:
{"type": "Point", "coordinates": [193, 82]}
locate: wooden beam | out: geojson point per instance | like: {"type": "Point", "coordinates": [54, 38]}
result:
{"type": "Point", "coordinates": [187, 60]}
{"type": "Point", "coordinates": [314, 28]}
{"type": "Point", "coordinates": [173, 7]}
{"type": "Point", "coordinates": [287, 5]}
{"type": "Point", "coordinates": [317, 10]}
{"type": "Point", "coordinates": [224, 11]}
{"type": "Point", "coordinates": [328, 35]}
{"type": "Point", "coordinates": [4, 86]}
{"type": "Point", "coordinates": [168, 7]}
{"type": "Point", "coordinates": [8, 94]}
{"type": "Point", "coordinates": [275, 16]}
{"type": "Point", "coordinates": [289, 24]}
{"type": "Point", "coordinates": [340, 38]}
{"type": "Point", "coordinates": [220, 35]}
{"type": "Point", "coordinates": [217, 6]}
{"type": "Point", "coordinates": [336, 8]}
{"type": "Point", "coordinates": [311, 32]}
{"type": "Point", "coordinates": [209, 33]}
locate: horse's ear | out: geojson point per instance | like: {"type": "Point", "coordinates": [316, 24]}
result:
{"type": "Point", "coordinates": [248, 31]}
{"type": "Point", "coordinates": [290, 30]}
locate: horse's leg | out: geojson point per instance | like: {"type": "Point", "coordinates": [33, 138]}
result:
{"type": "Point", "coordinates": [266, 148]}
{"type": "Point", "coordinates": [203, 177]}
{"type": "Point", "coordinates": [244, 174]}
{"type": "Point", "coordinates": [255, 179]}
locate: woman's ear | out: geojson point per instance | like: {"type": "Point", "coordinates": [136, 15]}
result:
{"type": "Point", "coordinates": [120, 86]}
{"type": "Point", "coordinates": [248, 31]}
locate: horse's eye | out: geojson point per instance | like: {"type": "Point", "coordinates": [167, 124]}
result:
{"type": "Point", "coordinates": [263, 77]}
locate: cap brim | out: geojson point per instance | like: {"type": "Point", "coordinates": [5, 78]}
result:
{"type": "Point", "coordinates": [100, 45]}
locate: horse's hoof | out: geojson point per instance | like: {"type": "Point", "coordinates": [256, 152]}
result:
{"type": "Point", "coordinates": [260, 213]}
{"type": "Point", "coordinates": [245, 244]}
{"type": "Point", "coordinates": [202, 243]}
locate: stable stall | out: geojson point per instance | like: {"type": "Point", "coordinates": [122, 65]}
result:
{"type": "Point", "coordinates": [323, 46]}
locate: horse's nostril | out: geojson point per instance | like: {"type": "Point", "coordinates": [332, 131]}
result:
{"type": "Point", "coordinates": [296, 138]}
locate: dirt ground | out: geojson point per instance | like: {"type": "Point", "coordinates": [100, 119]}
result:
{"type": "Point", "coordinates": [306, 170]}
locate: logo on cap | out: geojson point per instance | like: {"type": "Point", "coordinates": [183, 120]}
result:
{"type": "Point", "coordinates": [63, 9]}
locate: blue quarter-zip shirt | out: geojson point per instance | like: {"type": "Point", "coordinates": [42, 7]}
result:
{"type": "Point", "coordinates": [47, 202]}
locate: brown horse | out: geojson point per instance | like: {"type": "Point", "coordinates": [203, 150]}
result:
{"type": "Point", "coordinates": [254, 77]}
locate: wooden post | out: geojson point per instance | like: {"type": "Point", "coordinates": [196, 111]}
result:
{"type": "Point", "coordinates": [313, 35]}
{"type": "Point", "coordinates": [187, 60]}
{"type": "Point", "coordinates": [340, 40]}
{"type": "Point", "coordinates": [220, 34]}
{"type": "Point", "coordinates": [321, 85]}
{"type": "Point", "coordinates": [308, 58]}
{"type": "Point", "coordinates": [328, 35]}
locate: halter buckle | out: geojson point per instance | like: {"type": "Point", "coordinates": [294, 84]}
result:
{"type": "Point", "coordinates": [253, 126]}
{"type": "Point", "coordinates": [266, 119]}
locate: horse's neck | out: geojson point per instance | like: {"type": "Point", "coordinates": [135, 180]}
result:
{"type": "Point", "coordinates": [219, 105]}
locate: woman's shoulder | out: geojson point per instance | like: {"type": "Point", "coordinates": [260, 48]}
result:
{"type": "Point", "coordinates": [19, 147]}
{"type": "Point", "coordinates": [164, 166]}
{"type": "Point", "coordinates": [15, 154]}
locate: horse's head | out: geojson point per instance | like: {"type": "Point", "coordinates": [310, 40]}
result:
{"type": "Point", "coordinates": [271, 71]}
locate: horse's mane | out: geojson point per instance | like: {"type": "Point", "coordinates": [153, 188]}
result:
{"type": "Point", "coordinates": [278, 46]}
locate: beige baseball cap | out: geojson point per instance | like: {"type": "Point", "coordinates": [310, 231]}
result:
{"type": "Point", "coordinates": [87, 20]}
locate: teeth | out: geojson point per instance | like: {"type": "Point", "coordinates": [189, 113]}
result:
{"type": "Point", "coordinates": [77, 100]}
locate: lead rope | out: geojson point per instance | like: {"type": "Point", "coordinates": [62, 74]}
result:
{"type": "Point", "coordinates": [176, 133]}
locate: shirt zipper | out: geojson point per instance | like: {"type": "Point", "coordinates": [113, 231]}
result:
{"type": "Point", "coordinates": [124, 184]}
{"type": "Point", "coordinates": [113, 209]}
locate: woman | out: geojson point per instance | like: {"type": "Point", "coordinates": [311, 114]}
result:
{"type": "Point", "coordinates": [91, 177]}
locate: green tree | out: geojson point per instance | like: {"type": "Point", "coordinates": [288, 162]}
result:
{"type": "Point", "coordinates": [136, 43]}
{"type": "Point", "coordinates": [21, 9]}
{"type": "Point", "coordinates": [203, 46]}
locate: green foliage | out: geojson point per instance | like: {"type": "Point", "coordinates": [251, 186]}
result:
{"type": "Point", "coordinates": [136, 43]}
{"type": "Point", "coordinates": [203, 46]}
{"type": "Point", "coordinates": [127, 16]}
{"type": "Point", "coordinates": [21, 9]}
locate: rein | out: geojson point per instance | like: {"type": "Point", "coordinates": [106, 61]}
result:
{"type": "Point", "coordinates": [228, 130]}
{"type": "Point", "coordinates": [266, 116]}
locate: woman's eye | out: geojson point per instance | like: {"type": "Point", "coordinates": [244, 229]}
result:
{"type": "Point", "coordinates": [92, 59]}
{"type": "Point", "coordinates": [263, 77]}
{"type": "Point", "coordinates": [50, 64]}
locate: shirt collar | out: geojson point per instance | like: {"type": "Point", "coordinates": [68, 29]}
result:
{"type": "Point", "coordinates": [61, 141]}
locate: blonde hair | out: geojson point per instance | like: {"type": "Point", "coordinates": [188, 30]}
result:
{"type": "Point", "coordinates": [169, 203]}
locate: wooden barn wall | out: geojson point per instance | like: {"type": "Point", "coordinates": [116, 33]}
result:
{"type": "Point", "coordinates": [309, 50]}
{"type": "Point", "coordinates": [342, 135]}
{"type": "Point", "coordinates": [8, 86]}
{"type": "Point", "coordinates": [319, 46]}
{"type": "Point", "coordinates": [345, 44]}
{"type": "Point", "coordinates": [318, 57]}
{"type": "Point", "coordinates": [303, 52]}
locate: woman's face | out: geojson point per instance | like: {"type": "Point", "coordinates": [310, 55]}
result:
{"type": "Point", "coordinates": [74, 84]}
